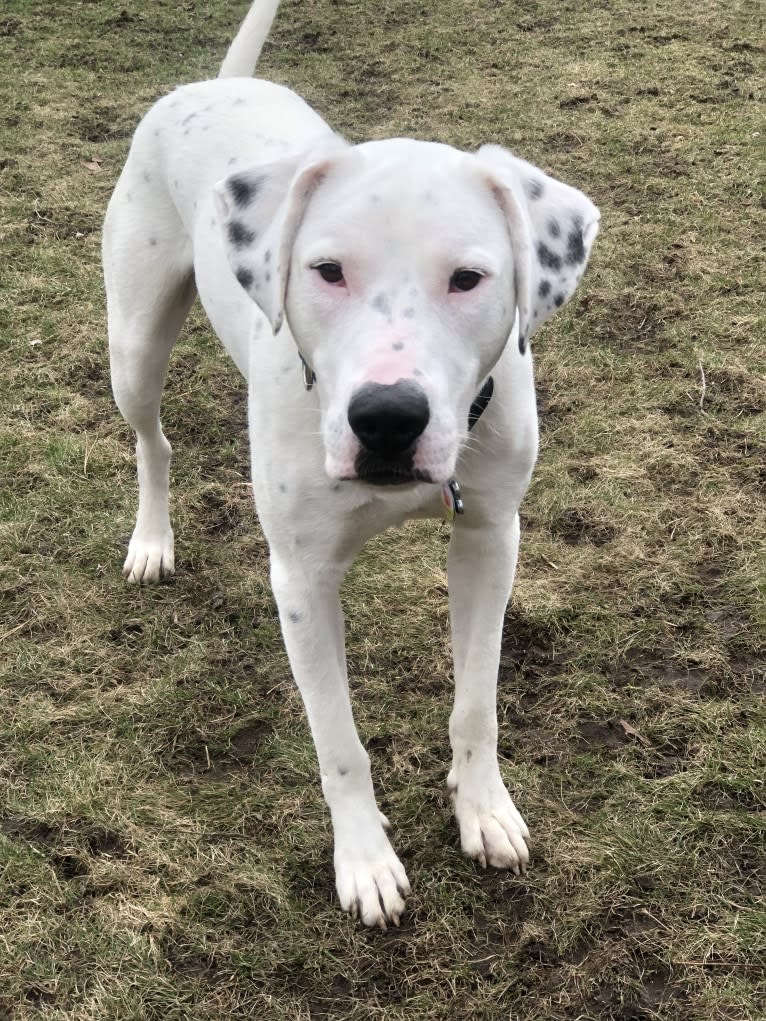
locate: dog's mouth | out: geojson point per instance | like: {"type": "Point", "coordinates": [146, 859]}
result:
{"type": "Point", "coordinates": [380, 471]}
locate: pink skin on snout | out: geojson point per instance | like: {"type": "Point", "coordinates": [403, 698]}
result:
{"type": "Point", "coordinates": [391, 363]}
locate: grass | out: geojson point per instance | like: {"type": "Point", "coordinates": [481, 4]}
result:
{"type": "Point", "coordinates": [164, 848]}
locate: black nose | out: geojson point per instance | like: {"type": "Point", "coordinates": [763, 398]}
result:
{"type": "Point", "coordinates": [388, 419]}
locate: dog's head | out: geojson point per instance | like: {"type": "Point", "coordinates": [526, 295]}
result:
{"type": "Point", "coordinates": [402, 268]}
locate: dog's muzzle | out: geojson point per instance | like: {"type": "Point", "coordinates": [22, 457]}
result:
{"type": "Point", "coordinates": [387, 419]}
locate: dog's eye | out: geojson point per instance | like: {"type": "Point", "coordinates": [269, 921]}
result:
{"type": "Point", "coordinates": [464, 280]}
{"type": "Point", "coordinates": [330, 272]}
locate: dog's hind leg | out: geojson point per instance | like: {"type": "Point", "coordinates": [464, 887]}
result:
{"type": "Point", "coordinates": [150, 289]}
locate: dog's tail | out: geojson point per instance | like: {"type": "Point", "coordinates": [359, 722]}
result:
{"type": "Point", "coordinates": [243, 53]}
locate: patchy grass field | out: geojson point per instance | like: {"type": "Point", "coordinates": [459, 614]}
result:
{"type": "Point", "coordinates": [164, 848]}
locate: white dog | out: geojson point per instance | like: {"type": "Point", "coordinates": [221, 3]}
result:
{"type": "Point", "coordinates": [379, 300]}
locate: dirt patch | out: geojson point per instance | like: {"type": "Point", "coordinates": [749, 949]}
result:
{"type": "Point", "coordinates": [220, 756]}
{"type": "Point", "coordinates": [662, 668]}
{"type": "Point", "coordinates": [600, 735]}
{"type": "Point", "coordinates": [577, 525]}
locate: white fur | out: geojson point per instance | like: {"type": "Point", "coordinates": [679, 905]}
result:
{"type": "Point", "coordinates": [236, 176]}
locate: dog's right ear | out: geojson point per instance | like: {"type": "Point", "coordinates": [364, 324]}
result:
{"type": "Point", "coordinates": [260, 210]}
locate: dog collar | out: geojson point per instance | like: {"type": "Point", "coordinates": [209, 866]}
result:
{"type": "Point", "coordinates": [480, 403]}
{"type": "Point", "coordinates": [309, 376]}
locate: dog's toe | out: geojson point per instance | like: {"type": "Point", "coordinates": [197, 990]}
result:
{"type": "Point", "coordinates": [371, 881]}
{"type": "Point", "coordinates": [149, 560]}
{"type": "Point", "coordinates": [492, 830]}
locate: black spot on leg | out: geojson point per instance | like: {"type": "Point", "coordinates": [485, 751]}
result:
{"type": "Point", "coordinates": [468, 755]}
{"type": "Point", "coordinates": [547, 258]}
{"type": "Point", "coordinates": [243, 190]}
{"type": "Point", "coordinates": [558, 301]}
{"type": "Point", "coordinates": [239, 235]}
{"type": "Point", "coordinates": [153, 242]}
{"type": "Point", "coordinates": [245, 277]}
{"type": "Point", "coordinates": [535, 188]}
{"type": "Point", "coordinates": [342, 771]}
{"type": "Point", "coordinates": [575, 247]}
{"type": "Point", "coordinates": [295, 617]}
{"type": "Point", "coordinates": [522, 344]}
{"type": "Point", "coordinates": [147, 177]}
{"type": "Point", "coordinates": [544, 289]}
{"type": "Point", "coordinates": [282, 487]}
{"type": "Point", "coordinates": [267, 256]}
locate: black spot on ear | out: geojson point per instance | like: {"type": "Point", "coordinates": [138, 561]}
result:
{"type": "Point", "coordinates": [522, 344]}
{"type": "Point", "coordinates": [548, 258]}
{"type": "Point", "coordinates": [239, 235]}
{"type": "Point", "coordinates": [558, 301]}
{"type": "Point", "coordinates": [534, 188]}
{"type": "Point", "coordinates": [245, 277]}
{"type": "Point", "coordinates": [575, 247]}
{"type": "Point", "coordinates": [544, 289]}
{"type": "Point", "coordinates": [243, 190]}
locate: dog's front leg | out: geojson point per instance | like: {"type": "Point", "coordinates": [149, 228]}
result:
{"type": "Point", "coordinates": [370, 879]}
{"type": "Point", "coordinates": [481, 565]}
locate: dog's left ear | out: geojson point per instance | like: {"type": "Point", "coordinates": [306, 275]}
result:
{"type": "Point", "coordinates": [552, 228]}
{"type": "Point", "coordinates": [260, 210]}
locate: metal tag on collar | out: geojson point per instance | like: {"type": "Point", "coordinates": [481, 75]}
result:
{"type": "Point", "coordinates": [451, 500]}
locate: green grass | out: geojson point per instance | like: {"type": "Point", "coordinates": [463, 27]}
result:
{"type": "Point", "coordinates": [164, 849]}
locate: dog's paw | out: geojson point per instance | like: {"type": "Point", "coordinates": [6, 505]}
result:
{"type": "Point", "coordinates": [149, 559]}
{"type": "Point", "coordinates": [491, 827]}
{"type": "Point", "coordinates": [370, 879]}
